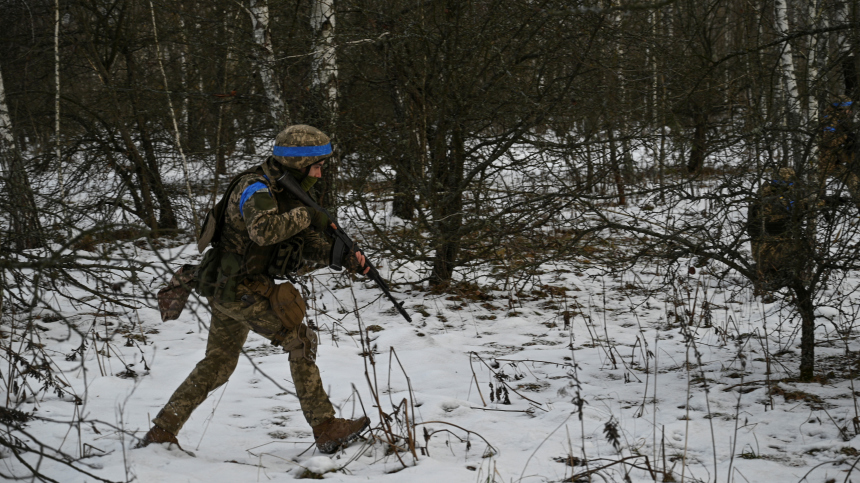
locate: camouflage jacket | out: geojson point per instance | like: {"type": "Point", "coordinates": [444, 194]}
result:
{"type": "Point", "coordinates": [259, 213]}
{"type": "Point", "coordinates": [778, 210]}
{"type": "Point", "coordinates": [837, 143]}
{"type": "Point", "coordinates": [265, 232]}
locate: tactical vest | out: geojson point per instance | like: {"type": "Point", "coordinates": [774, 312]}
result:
{"type": "Point", "coordinates": [221, 271]}
{"type": "Point", "coordinates": [775, 211]}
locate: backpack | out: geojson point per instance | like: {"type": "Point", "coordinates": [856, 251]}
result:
{"type": "Point", "coordinates": [203, 277]}
{"type": "Point", "coordinates": [210, 234]}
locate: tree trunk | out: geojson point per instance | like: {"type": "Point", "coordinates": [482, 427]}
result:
{"type": "Point", "coordinates": [807, 331]}
{"type": "Point", "coordinates": [589, 169]}
{"type": "Point", "coordinates": [325, 86]}
{"type": "Point", "coordinates": [177, 135]}
{"type": "Point", "coordinates": [57, 152]}
{"type": "Point", "coordinates": [266, 64]}
{"type": "Point", "coordinates": [697, 152]}
{"type": "Point", "coordinates": [25, 229]}
{"type": "Point", "coordinates": [448, 212]}
{"type": "Point", "coordinates": [615, 166]}
{"type": "Point", "coordinates": [812, 69]}
{"type": "Point", "coordinates": [166, 215]}
{"type": "Point", "coordinates": [789, 75]}
{"type": "Point", "coordinates": [183, 81]}
{"type": "Point", "coordinates": [223, 142]}
{"type": "Point", "coordinates": [403, 204]}
{"type": "Point", "coordinates": [146, 209]}
{"type": "Point", "coordinates": [196, 108]}
{"type": "Point", "coordinates": [404, 198]}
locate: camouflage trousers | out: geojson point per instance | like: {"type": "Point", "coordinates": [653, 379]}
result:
{"type": "Point", "coordinates": [852, 181]}
{"type": "Point", "coordinates": [228, 330]}
{"type": "Point", "coordinates": [779, 261]}
{"type": "Point", "coordinates": [839, 162]}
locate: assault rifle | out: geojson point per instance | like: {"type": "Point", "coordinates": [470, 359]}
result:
{"type": "Point", "coordinates": [342, 241]}
{"type": "Point", "coordinates": [832, 203]}
{"type": "Point", "coordinates": [834, 200]}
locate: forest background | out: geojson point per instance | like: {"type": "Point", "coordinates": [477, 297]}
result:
{"type": "Point", "coordinates": [494, 136]}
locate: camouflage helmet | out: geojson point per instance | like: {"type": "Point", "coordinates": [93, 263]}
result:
{"type": "Point", "coordinates": [300, 146]}
{"type": "Point", "coordinates": [840, 107]}
{"type": "Point", "coordinates": [842, 101]}
{"type": "Point", "coordinates": [786, 174]}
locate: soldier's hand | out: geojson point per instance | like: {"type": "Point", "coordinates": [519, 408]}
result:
{"type": "Point", "coordinates": [361, 262]}
{"type": "Point", "coordinates": [319, 220]}
{"type": "Point", "coordinates": [356, 262]}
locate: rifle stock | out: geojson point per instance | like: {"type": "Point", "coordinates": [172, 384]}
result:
{"type": "Point", "coordinates": [342, 241]}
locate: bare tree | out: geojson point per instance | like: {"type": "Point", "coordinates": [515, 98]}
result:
{"type": "Point", "coordinates": [324, 85]}
{"type": "Point", "coordinates": [260, 19]}
{"type": "Point", "coordinates": [24, 230]}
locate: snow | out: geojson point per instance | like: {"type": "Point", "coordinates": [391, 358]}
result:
{"type": "Point", "coordinates": [252, 429]}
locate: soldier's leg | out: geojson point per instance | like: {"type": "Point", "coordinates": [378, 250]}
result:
{"type": "Point", "coordinates": [767, 257]}
{"type": "Point", "coordinates": [257, 313]}
{"type": "Point", "coordinates": [852, 181]}
{"type": "Point", "coordinates": [755, 247]}
{"type": "Point", "coordinates": [223, 348]}
{"type": "Point", "coordinates": [315, 403]}
{"type": "Point", "coordinates": [779, 262]}
{"type": "Point", "coordinates": [330, 433]}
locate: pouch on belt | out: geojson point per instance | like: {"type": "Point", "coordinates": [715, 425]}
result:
{"type": "Point", "coordinates": [173, 297]}
{"type": "Point", "coordinates": [286, 301]}
{"type": "Point", "coordinates": [290, 308]}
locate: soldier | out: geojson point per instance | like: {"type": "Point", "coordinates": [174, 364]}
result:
{"type": "Point", "coordinates": [837, 145]}
{"type": "Point", "coordinates": [260, 233]}
{"type": "Point", "coordinates": [780, 247]}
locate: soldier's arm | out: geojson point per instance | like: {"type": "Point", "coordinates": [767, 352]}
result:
{"type": "Point", "coordinates": [317, 247]}
{"type": "Point", "coordinates": [754, 222]}
{"type": "Point", "coordinates": [850, 134]}
{"type": "Point", "coordinates": [253, 205]}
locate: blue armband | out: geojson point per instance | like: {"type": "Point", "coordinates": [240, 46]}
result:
{"type": "Point", "coordinates": [249, 191]}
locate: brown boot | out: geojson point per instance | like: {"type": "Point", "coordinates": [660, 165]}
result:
{"type": "Point", "coordinates": [333, 433]}
{"type": "Point", "coordinates": [158, 435]}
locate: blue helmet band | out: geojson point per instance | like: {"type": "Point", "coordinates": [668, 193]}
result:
{"type": "Point", "coordinates": [842, 104]}
{"type": "Point", "coordinates": [302, 151]}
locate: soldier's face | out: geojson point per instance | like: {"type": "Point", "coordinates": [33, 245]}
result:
{"type": "Point", "coordinates": [315, 170]}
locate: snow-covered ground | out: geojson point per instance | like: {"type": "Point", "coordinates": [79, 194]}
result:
{"type": "Point", "coordinates": [608, 374]}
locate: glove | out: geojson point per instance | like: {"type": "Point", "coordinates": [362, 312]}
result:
{"type": "Point", "coordinates": [319, 220]}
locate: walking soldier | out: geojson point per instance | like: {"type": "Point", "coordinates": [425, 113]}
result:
{"type": "Point", "coordinates": [781, 248]}
{"type": "Point", "coordinates": [258, 234]}
{"type": "Point", "coordinates": [837, 147]}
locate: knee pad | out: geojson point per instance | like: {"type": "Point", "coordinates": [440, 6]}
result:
{"type": "Point", "coordinates": [302, 344]}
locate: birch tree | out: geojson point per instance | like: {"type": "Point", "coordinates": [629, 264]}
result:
{"type": "Point", "coordinates": [846, 46]}
{"type": "Point", "coordinates": [813, 11]}
{"type": "Point", "coordinates": [791, 94]}
{"type": "Point", "coordinates": [324, 55]}
{"type": "Point", "coordinates": [24, 230]}
{"type": "Point", "coordinates": [324, 84]}
{"type": "Point", "coordinates": [57, 105]}
{"type": "Point", "coordinates": [618, 97]}
{"type": "Point", "coordinates": [177, 137]}
{"type": "Point", "coordinates": [259, 11]}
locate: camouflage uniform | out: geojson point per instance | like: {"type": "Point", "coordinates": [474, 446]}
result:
{"type": "Point", "coordinates": [837, 146]}
{"type": "Point", "coordinates": [780, 247]}
{"type": "Point", "coordinates": [258, 217]}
